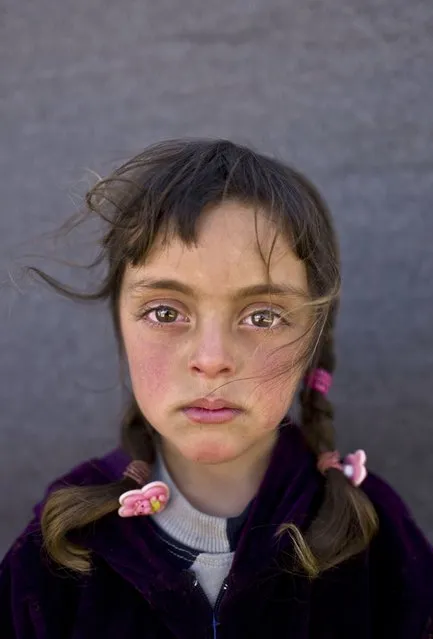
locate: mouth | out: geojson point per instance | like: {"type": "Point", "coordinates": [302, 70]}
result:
{"type": "Point", "coordinates": [205, 411]}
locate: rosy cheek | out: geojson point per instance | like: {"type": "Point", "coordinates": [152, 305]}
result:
{"type": "Point", "coordinates": [150, 368]}
{"type": "Point", "coordinates": [277, 377]}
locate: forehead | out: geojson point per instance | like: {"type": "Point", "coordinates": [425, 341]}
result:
{"type": "Point", "coordinates": [231, 239]}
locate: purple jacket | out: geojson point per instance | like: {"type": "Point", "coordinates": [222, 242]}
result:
{"type": "Point", "coordinates": [135, 592]}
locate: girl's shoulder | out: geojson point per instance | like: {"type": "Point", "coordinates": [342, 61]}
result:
{"type": "Point", "coordinates": [398, 529]}
{"type": "Point", "coordinates": [27, 574]}
{"type": "Point", "coordinates": [28, 548]}
{"type": "Point", "coordinates": [401, 556]}
{"type": "Point", "coordinates": [395, 516]}
{"type": "Point", "coordinates": [94, 471]}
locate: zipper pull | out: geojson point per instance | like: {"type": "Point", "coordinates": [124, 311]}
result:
{"type": "Point", "coordinates": [215, 624]}
{"type": "Point", "coordinates": [192, 578]}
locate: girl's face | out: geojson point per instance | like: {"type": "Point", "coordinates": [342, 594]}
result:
{"type": "Point", "coordinates": [190, 331]}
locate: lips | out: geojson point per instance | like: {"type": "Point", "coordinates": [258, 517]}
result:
{"type": "Point", "coordinates": [213, 404]}
{"type": "Point", "coordinates": [215, 411]}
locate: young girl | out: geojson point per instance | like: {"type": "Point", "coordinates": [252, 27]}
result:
{"type": "Point", "coordinates": [218, 516]}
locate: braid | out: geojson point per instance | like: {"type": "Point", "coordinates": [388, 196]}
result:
{"type": "Point", "coordinates": [75, 507]}
{"type": "Point", "coordinates": [317, 412]}
{"type": "Point", "coordinates": [346, 520]}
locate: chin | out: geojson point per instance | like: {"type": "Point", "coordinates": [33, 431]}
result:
{"type": "Point", "coordinates": [210, 451]}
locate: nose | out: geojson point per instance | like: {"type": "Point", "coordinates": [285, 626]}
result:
{"type": "Point", "coordinates": [213, 354]}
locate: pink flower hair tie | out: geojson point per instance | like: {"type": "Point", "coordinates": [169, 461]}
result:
{"type": "Point", "coordinates": [320, 380]}
{"type": "Point", "coordinates": [149, 499]}
{"type": "Point", "coordinates": [353, 466]}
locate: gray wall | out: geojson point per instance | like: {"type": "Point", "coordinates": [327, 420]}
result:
{"type": "Point", "coordinates": [342, 90]}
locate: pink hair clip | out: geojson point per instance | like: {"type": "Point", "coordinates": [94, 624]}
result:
{"type": "Point", "coordinates": [150, 499]}
{"type": "Point", "coordinates": [353, 466]}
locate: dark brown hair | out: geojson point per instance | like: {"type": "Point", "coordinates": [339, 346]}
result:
{"type": "Point", "coordinates": [162, 193]}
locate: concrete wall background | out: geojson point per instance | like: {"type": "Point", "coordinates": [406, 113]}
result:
{"type": "Point", "coordinates": [344, 91]}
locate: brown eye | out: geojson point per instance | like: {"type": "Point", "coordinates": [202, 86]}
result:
{"type": "Point", "coordinates": [160, 315]}
{"type": "Point", "coordinates": [263, 319]}
{"type": "Point", "coordinates": [165, 314]}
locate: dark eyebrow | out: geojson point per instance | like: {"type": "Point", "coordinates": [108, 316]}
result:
{"type": "Point", "coordinates": [247, 291]}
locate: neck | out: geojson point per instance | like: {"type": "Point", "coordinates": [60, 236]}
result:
{"type": "Point", "coordinates": [220, 490]}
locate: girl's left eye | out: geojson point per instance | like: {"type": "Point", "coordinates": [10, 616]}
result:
{"type": "Point", "coordinates": [265, 318]}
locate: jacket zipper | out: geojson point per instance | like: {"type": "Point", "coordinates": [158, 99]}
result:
{"type": "Point", "coordinates": [223, 590]}
{"type": "Point", "coordinates": [221, 594]}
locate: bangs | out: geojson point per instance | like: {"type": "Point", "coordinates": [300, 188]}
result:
{"type": "Point", "coordinates": [163, 193]}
